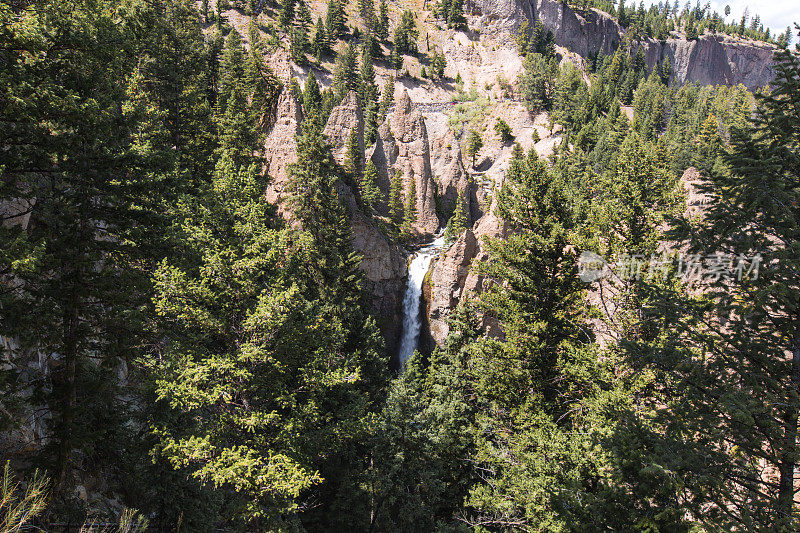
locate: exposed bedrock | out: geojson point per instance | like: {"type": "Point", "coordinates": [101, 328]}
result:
{"type": "Point", "coordinates": [711, 59]}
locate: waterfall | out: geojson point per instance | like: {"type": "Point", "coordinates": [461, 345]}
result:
{"type": "Point", "coordinates": [412, 319]}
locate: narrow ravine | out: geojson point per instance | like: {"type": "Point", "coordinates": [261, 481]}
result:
{"type": "Point", "coordinates": [412, 311]}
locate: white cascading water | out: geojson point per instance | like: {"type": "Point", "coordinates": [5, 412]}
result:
{"type": "Point", "coordinates": [412, 319]}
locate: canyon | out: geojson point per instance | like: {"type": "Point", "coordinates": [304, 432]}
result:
{"type": "Point", "coordinates": [419, 141]}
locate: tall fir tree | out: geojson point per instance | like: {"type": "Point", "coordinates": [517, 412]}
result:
{"type": "Point", "coordinates": [345, 72]}
{"type": "Point", "coordinates": [396, 198]}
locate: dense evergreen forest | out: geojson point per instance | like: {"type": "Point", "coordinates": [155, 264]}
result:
{"type": "Point", "coordinates": [174, 342]}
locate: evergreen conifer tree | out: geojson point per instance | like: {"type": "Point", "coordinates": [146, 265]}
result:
{"type": "Point", "coordinates": [345, 72]}
{"type": "Point", "coordinates": [410, 209]}
{"type": "Point", "coordinates": [396, 198]}
{"type": "Point", "coordinates": [458, 221]}
{"type": "Point", "coordinates": [369, 186]}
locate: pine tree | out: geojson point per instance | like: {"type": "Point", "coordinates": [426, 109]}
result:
{"type": "Point", "coordinates": [525, 377]}
{"type": "Point", "coordinates": [537, 82]}
{"type": "Point", "coordinates": [354, 159]}
{"type": "Point", "coordinates": [366, 9]}
{"type": "Point", "coordinates": [410, 210]}
{"type": "Point", "coordinates": [335, 22]}
{"type": "Point", "coordinates": [396, 198]}
{"type": "Point", "coordinates": [287, 13]}
{"type": "Point", "coordinates": [368, 91]}
{"type": "Point", "coordinates": [387, 99]}
{"type": "Point", "coordinates": [298, 45]}
{"type": "Point", "coordinates": [503, 131]}
{"type": "Point", "coordinates": [370, 192]}
{"type": "Point", "coordinates": [345, 72]}
{"type": "Point", "coordinates": [709, 145]}
{"type": "Point", "coordinates": [455, 15]}
{"type": "Point", "coordinates": [727, 358]}
{"type": "Point", "coordinates": [304, 16]}
{"type": "Point", "coordinates": [82, 213]}
{"type": "Point", "coordinates": [458, 221]}
{"type": "Point", "coordinates": [371, 123]}
{"type": "Point", "coordinates": [474, 145]}
{"type": "Point", "coordinates": [320, 43]}
{"type": "Point", "coordinates": [405, 34]}
{"type": "Point", "coordinates": [382, 26]}
{"type": "Point", "coordinates": [312, 99]}
{"type": "Point", "coordinates": [231, 69]}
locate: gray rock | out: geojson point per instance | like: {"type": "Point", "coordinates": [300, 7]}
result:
{"type": "Point", "coordinates": [709, 60]}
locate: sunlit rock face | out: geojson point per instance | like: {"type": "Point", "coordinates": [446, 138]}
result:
{"type": "Point", "coordinates": [709, 60]}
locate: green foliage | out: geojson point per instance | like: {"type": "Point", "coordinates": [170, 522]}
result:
{"type": "Point", "coordinates": [335, 22]}
{"type": "Point", "coordinates": [503, 130]}
{"type": "Point", "coordinates": [287, 13]}
{"type": "Point", "coordinates": [312, 98]}
{"type": "Point", "coordinates": [535, 39]}
{"type": "Point", "coordinates": [457, 222]}
{"type": "Point", "coordinates": [20, 505]}
{"type": "Point", "coordinates": [216, 367]}
{"type": "Point", "coordinates": [729, 370]}
{"type": "Point", "coordinates": [410, 210]}
{"type": "Point", "coordinates": [455, 15]}
{"type": "Point", "coordinates": [354, 160]}
{"type": "Point", "coordinates": [537, 82]}
{"type": "Point", "coordinates": [438, 63]}
{"type": "Point", "coordinates": [405, 35]}
{"type": "Point", "coordinates": [474, 145]}
{"type": "Point", "coordinates": [320, 44]}
{"type": "Point", "coordinates": [345, 72]}
{"type": "Point", "coordinates": [396, 198]}
{"type": "Point", "coordinates": [382, 25]}
{"type": "Point", "coordinates": [387, 99]}
{"type": "Point", "coordinates": [368, 187]}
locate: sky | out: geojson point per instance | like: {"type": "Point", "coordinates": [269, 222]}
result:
{"type": "Point", "coordinates": [775, 14]}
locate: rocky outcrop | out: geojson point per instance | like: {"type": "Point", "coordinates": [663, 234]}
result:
{"type": "Point", "coordinates": [697, 201]}
{"type": "Point", "coordinates": [383, 153]}
{"type": "Point", "coordinates": [714, 60]}
{"type": "Point", "coordinates": [384, 265]}
{"type": "Point", "coordinates": [709, 60]}
{"type": "Point", "coordinates": [412, 161]}
{"type": "Point", "coordinates": [447, 283]}
{"type": "Point", "coordinates": [383, 262]}
{"type": "Point", "coordinates": [452, 278]}
{"type": "Point", "coordinates": [280, 149]}
{"type": "Point", "coordinates": [581, 32]}
{"type": "Point", "coordinates": [345, 119]}
{"type": "Point", "coordinates": [402, 149]}
{"type": "Point", "coordinates": [452, 179]}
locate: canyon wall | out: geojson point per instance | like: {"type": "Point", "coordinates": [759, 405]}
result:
{"type": "Point", "coordinates": [711, 59]}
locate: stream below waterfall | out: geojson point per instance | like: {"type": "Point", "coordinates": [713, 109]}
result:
{"type": "Point", "coordinates": [412, 310]}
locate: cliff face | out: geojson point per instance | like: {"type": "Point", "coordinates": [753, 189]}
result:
{"type": "Point", "coordinates": [711, 59]}
{"type": "Point", "coordinates": [383, 262]}
{"type": "Point", "coordinates": [413, 162]}
{"type": "Point", "coordinates": [402, 148]}
{"type": "Point", "coordinates": [280, 149]}
{"type": "Point", "coordinates": [714, 60]}
{"type": "Point", "coordinates": [453, 279]}
{"type": "Point", "coordinates": [451, 177]}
